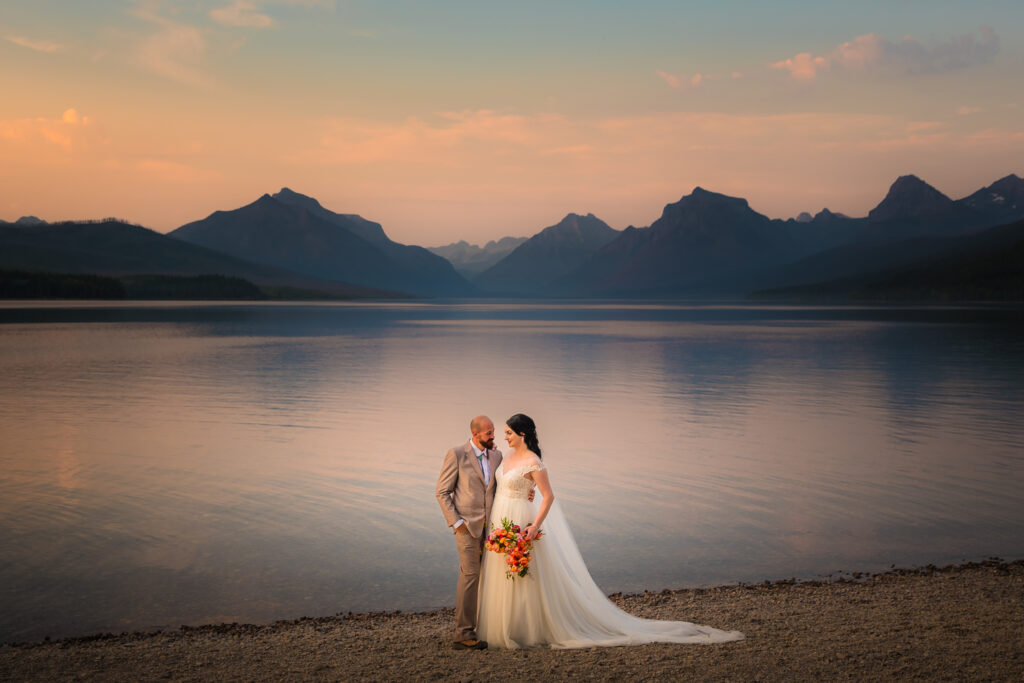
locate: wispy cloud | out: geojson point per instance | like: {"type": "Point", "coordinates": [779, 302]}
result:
{"type": "Point", "coordinates": [418, 141]}
{"type": "Point", "coordinates": [176, 172]}
{"type": "Point", "coordinates": [176, 51]}
{"type": "Point", "coordinates": [967, 111]}
{"type": "Point", "coordinates": [872, 53]}
{"type": "Point", "coordinates": [327, 4]}
{"type": "Point", "coordinates": [242, 13]}
{"type": "Point", "coordinates": [37, 45]}
{"type": "Point", "coordinates": [683, 82]}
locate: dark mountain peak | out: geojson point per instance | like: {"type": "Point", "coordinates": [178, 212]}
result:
{"type": "Point", "coordinates": [1002, 201]}
{"type": "Point", "coordinates": [1008, 186]}
{"type": "Point", "coordinates": [910, 197]}
{"type": "Point", "coordinates": [588, 230]}
{"type": "Point", "coordinates": [552, 252]}
{"type": "Point", "coordinates": [368, 230]}
{"type": "Point", "coordinates": [804, 217]}
{"type": "Point", "coordinates": [703, 196]}
{"type": "Point", "coordinates": [907, 182]}
{"type": "Point", "coordinates": [30, 220]}
{"type": "Point", "coordinates": [289, 196]}
{"type": "Point", "coordinates": [292, 231]}
{"type": "Point", "coordinates": [702, 201]}
{"type": "Point", "coordinates": [705, 209]}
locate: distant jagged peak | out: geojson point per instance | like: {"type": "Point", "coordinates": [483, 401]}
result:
{"type": "Point", "coordinates": [910, 197]}
{"type": "Point", "coordinates": [507, 242]}
{"type": "Point", "coordinates": [826, 215]}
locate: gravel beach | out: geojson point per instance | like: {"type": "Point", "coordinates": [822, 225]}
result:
{"type": "Point", "coordinates": [961, 622]}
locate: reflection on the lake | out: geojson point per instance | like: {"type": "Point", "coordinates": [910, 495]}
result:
{"type": "Point", "coordinates": [176, 463]}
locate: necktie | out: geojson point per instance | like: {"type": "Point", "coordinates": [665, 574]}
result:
{"type": "Point", "coordinates": [483, 468]}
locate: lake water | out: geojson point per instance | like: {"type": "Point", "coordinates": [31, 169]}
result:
{"type": "Point", "coordinates": [178, 463]}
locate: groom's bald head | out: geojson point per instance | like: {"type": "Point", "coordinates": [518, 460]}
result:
{"type": "Point", "coordinates": [483, 431]}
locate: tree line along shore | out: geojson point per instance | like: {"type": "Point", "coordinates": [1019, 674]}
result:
{"type": "Point", "coordinates": [24, 284]}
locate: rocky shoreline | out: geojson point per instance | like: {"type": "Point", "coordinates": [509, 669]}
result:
{"type": "Point", "coordinates": [963, 622]}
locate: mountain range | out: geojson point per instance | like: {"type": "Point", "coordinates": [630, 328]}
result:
{"type": "Point", "coordinates": [982, 266]}
{"type": "Point", "coordinates": [470, 259]}
{"type": "Point", "coordinates": [532, 267]}
{"type": "Point", "coordinates": [706, 245]}
{"type": "Point", "coordinates": [292, 231]}
{"type": "Point", "coordinates": [117, 249]}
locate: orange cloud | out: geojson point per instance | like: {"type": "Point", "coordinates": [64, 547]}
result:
{"type": "Point", "coordinates": [67, 132]}
{"type": "Point", "coordinates": [803, 66]}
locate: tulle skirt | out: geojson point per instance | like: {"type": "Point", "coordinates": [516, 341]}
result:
{"type": "Point", "coordinates": [558, 604]}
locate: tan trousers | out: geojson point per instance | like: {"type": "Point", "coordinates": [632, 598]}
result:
{"type": "Point", "coordinates": [467, 590]}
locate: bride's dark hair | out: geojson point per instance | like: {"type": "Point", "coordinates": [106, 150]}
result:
{"type": "Point", "coordinates": [525, 427]}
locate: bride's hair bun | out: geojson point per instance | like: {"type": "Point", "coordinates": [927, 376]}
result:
{"type": "Point", "coordinates": [524, 426]}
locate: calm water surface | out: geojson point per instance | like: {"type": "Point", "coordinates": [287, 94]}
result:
{"type": "Point", "coordinates": [168, 464]}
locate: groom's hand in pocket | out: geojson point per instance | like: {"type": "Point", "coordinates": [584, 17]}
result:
{"type": "Point", "coordinates": [460, 529]}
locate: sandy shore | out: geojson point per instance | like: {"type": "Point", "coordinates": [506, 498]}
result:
{"type": "Point", "coordinates": [953, 623]}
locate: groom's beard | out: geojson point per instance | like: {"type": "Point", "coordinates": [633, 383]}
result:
{"type": "Point", "coordinates": [489, 444]}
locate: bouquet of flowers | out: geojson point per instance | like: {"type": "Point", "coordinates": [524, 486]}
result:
{"type": "Point", "coordinates": [511, 541]}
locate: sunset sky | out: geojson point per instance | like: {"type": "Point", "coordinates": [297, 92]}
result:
{"type": "Point", "coordinates": [447, 120]}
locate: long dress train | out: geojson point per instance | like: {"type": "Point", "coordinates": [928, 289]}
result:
{"type": "Point", "coordinates": [557, 603]}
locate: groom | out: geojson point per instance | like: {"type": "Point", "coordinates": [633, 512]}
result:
{"type": "Point", "coordinates": [465, 490]}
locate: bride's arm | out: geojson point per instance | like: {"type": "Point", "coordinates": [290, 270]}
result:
{"type": "Point", "coordinates": [540, 478]}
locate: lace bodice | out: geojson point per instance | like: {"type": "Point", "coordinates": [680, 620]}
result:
{"type": "Point", "coordinates": [514, 483]}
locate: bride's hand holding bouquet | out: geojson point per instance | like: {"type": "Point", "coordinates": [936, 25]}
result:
{"type": "Point", "coordinates": [511, 541]}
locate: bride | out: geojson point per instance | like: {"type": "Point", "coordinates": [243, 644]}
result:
{"type": "Point", "coordinates": [557, 603]}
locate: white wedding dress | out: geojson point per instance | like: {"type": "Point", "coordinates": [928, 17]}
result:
{"type": "Point", "coordinates": [557, 603]}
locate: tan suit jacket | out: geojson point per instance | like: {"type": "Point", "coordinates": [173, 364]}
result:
{"type": "Point", "coordinates": [460, 487]}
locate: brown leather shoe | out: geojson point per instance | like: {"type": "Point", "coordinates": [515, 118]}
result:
{"type": "Point", "coordinates": [469, 645]}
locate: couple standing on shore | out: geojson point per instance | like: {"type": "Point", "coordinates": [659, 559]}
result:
{"type": "Point", "coordinates": [557, 603]}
